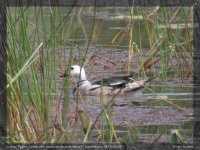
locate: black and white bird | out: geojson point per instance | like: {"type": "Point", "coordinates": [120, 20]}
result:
{"type": "Point", "coordinates": [106, 86]}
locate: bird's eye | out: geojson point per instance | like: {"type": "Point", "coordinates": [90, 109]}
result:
{"type": "Point", "coordinates": [72, 68]}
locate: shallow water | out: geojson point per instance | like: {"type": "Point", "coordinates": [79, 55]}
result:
{"type": "Point", "coordinates": [143, 111]}
{"type": "Point", "coordinates": [138, 111]}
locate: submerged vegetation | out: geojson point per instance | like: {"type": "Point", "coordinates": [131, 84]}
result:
{"type": "Point", "coordinates": [44, 42]}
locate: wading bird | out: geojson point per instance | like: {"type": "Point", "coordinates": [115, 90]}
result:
{"type": "Point", "coordinates": [106, 86]}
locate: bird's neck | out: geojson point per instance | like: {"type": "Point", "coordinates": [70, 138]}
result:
{"type": "Point", "coordinates": [83, 75]}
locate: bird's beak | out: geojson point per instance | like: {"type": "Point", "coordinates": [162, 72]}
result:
{"type": "Point", "coordinates": [74, 90]}
{"type": "Point", "coordinates": [64, 75]}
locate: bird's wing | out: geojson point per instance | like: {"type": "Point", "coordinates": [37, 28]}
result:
{"type": "Point", "coordinates": [99, 87]}
{"type": "Point", "coordinates": [136, 85]}
{"type": "Point", "coordinates": [111, 82]}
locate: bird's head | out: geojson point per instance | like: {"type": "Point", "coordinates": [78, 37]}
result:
{"type": "Point", "coordinates": [76, 71]}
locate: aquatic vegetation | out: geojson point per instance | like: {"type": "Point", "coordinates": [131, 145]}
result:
{"type": "Point", "coordinates": [43, 42]}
